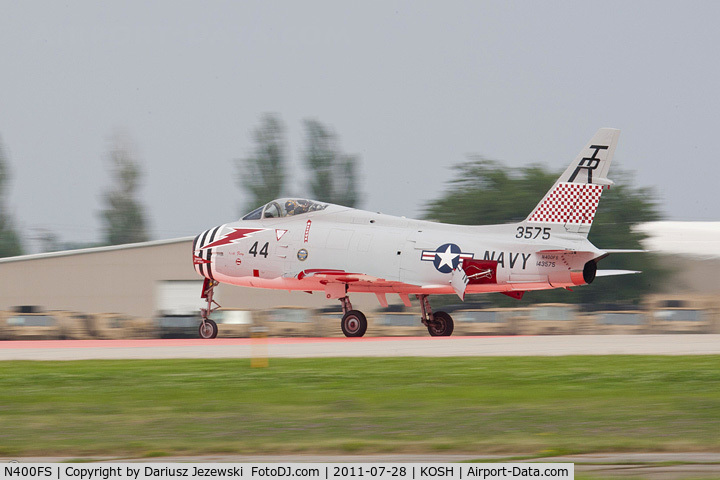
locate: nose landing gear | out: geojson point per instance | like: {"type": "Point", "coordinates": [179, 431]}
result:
{"type": "Point", "coordinates": [208, 328]}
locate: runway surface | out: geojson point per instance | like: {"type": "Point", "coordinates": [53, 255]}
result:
{"type": "Point", "coordinates": [362, 347]}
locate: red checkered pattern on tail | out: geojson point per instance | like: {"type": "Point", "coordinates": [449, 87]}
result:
{"type": "Point", "coordinates": [569, 203]}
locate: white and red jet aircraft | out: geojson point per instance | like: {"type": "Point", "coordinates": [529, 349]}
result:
{"type": "Point", "coordinates": [297, 244]}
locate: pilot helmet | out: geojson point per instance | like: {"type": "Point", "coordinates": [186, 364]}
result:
{"type": "Point", "coordinates": [290, 206]}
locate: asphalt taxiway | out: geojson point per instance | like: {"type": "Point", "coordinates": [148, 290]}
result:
{"type": "Point", "coordinates": [707, 344]}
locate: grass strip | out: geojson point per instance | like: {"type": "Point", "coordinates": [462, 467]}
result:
{"type": "Point", "coordinates": [541, 406]}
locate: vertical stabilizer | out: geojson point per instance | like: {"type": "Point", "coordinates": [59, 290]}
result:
{"type": "Point", "coordinates": [574, 198]}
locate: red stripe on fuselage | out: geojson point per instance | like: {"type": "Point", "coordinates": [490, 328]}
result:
{"type": "Point", "coordinates": [232, 237]}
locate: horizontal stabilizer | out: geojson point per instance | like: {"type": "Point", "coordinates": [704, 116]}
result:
{"type": "Point", "coordinates": [623, 250]}
{"type": "Point", "coordinates": [563, 251]}
{"type": "Point", "coordinates": [609, 273]}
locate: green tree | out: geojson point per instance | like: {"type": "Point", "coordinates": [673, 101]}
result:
{"type": "Point", "coordinates": [262, 175]}
{"type": "Point", "coordinates": [9, 240]}
{"type": "Point", "coordinates": [123, 217]}
{"type": "Point", "coordinates": [333, 174]}
{"type": "Point", "coordinates": [485, 192]}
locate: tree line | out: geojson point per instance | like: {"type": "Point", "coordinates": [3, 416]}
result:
{"type": "Point", "coordinates": [333, 174]}
{"type": "Point", "coordinates": [9, 239]}
{"type": "Point", "coordinates": [123, 216]}
{"type": "Point", "coordinates": [262, 175]}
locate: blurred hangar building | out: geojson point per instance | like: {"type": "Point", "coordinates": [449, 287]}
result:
{"type": "Point", "coordinates": [690, 250]}
{"type": "Point", "coordinates": [140, 279]}
{"type": "Point", "coordinates": [157, 278]}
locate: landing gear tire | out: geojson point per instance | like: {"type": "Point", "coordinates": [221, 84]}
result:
{"type": "Point", "coordinates": [208, 329]}
{"type": "Point", "coordinates": [442, 325]}
{"type": "Point", "coordinates": [354, 324]}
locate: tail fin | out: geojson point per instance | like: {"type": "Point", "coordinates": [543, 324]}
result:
{"type": "Point", "coordinates": [574, 198]}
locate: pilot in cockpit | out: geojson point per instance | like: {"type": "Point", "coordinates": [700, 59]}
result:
{"type": "Point", "coordinates": [296, 207]}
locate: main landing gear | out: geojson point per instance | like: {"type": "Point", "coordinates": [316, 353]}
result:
{"type": "Point", "coordinates": [354, 323]}
{"type": "Point", "coordinates": [439, 324]}
{"type": "Point", "coordinates": [208, 328]}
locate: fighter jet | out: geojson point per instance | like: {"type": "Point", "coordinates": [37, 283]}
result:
{"type": "Point", "coordinates": [310, 246]}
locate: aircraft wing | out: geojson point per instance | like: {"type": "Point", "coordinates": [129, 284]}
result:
{"type": "Point", "coordinates": [329, 279]}
{"type": "Point", "coordinates": [336, 282]}
{"type": "Point", "coordinates": [326, 275]}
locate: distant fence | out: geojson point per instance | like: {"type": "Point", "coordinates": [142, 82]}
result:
{"type": "Point", "coordinates": [657, 316]}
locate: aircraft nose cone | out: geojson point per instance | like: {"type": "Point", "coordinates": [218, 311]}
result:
{"type": "Point", "coordinates": [201, 257]}
{"type": "Point", "coordinates": [197, 259]}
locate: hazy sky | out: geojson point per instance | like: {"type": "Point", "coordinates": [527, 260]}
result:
{"type": "Point", "coordinates": [412, 87]}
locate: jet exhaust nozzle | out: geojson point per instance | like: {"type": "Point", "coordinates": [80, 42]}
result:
{"type": "Point", "coordinates": [589, 271]}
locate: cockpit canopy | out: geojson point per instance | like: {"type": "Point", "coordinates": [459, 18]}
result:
{"type": "Point", "coordinates": [285, 207]}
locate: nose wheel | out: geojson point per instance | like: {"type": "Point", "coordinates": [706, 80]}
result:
{"type": "Point", "coordinates": [208, 329]}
